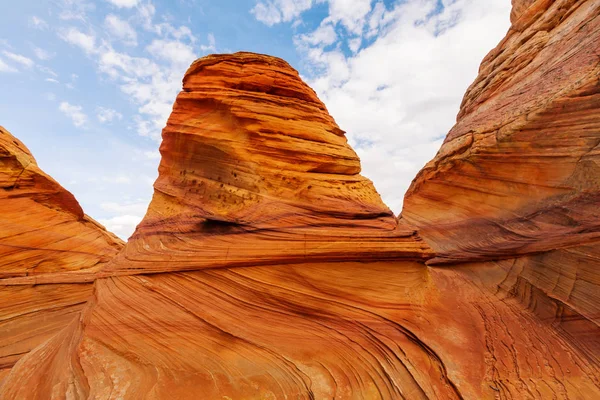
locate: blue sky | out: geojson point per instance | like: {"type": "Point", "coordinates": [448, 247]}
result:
{"type": "Point", "coordinates": [88, 85]}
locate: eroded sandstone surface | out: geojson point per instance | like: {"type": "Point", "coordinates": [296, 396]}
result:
{"type": "Point", "coordinates": [45, 241]}
{"type": "Point", "coordinates": [267, 267]}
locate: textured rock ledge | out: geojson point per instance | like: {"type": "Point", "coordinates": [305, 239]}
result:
{"type": "Point", "coordinates": [42, 227]}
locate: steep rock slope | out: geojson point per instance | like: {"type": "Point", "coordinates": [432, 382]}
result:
{"type": "Point", "coordinates": [44, 238]}
{"type": "Point", "coordinates": [254, 170]}
{"type": "Point", "coordinates": [518, 173]}
{"type": "Point", "coordinates": [517, 180]}
{"type": "Point", "coordinates": [42, 227]}
{"type": "Point", "coordinates": [256, 274]}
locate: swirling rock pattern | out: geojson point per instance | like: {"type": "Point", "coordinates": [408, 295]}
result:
{"type": "Point", "coordinates": [44, 237]}
{"type": "Point", "coordinates": [42, 227]}
{"type": "Point", "coordinates": [268, 268]}
{"type": "Point", "coordinates": [255, 171]}
{"type": "Point", "coordinates": [518, 173]}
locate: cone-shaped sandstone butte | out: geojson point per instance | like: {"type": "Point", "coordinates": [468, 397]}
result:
{"type": "Point", "coordinates": [255, 171]}
{"type": "Point", "coordinates": [44, 238]}
{"type": "Point", "coordinates": [267, 268]}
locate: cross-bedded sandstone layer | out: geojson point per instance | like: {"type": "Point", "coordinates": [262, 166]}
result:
{"type": "Point", "coordinates": [268, 268]}
{"type": "Point", "coordinates": [516, 183]}
{"type": "Point", "coordinates": [255, 171]}
{"type": "Point", "coordinates": [44, 237]}
{"type": "Point", "coordinates": [518, 173]}
{"type": "Point", "coordinates": [42, 227]}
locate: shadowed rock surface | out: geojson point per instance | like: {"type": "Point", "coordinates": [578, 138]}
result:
{"type": "Point", "coordinates": [268, 268]}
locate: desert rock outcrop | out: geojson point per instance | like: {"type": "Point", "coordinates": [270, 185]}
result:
{"type": "Point", "coordinates": [255, 171]}
{"type": "Point", "coordinates": [267, 267]}
{"type": "Point", "coordinates": [45, 241]}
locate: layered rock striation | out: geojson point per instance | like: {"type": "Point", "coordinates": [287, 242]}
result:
{"type": "Point", "coordinates": [42, 227]}
{"type": "Point", "coordinates": [45, 241]}
{"type": "Point", "coordinates": [518, 173]}
{"type": "Point", "coordinates": [516, 185]}
{"type": "Point", "coordinates": [255, 171]}
{"type": "Point", "coordinates": [267, 267]}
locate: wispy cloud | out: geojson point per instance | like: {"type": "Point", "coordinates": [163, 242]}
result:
{"type": "Point", "coordinates": [105, 115]}
{"type": "Point", "coordinates": [152, 80]}
{"type": "Point", "coordinates": [37, 23]}
{"type": "Point", "coordinates": [75, 113]}
{"type": "Point", "coordinates": [42, 54]}
{"type": "Point", "coordinates": [273, 12]}
{"type": "Point", "coordinates": [121, 29]}
{"type": "Point", "coordinates": [86, 42]}
{"type": "Point", "coordinates": [124, 3]}
{"type": "Point", "coordinates": [4, 67]}
{"type": "Point", "coordinates": [124, 217]}
{"type": "Point", "coordinates": [18, 58]}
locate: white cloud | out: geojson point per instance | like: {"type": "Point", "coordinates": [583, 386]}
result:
{"type": "Point", "coordinates": [75, 113]}
{"type": "Point", "coordinates": [398, 95]}
{"type": "Point", "coordinates": [350, 13]}
{"type": "Point", "coordinates": [42, 54]}
{"type": "Point", "coordinates": [51, 80]}
{"type": "Point", "coordinates": [152, 81]}
{"type": "Point", "coordinates": [107, 114]}
{"type": "Point", "coordinates": [138, 208]}
{"type": "Point", "coordinates": [273, 12]}
{"type": "Point", "coordinates": [173, 51]}
{"type": "Point", "coordinates": [122, 225]}
{"type": "Point", "coordinates": [124, 218]}
{"type": "Point", "coordinates": [47, 70]}
{"type": "Point", "coordinates": [124, 3]}
{"type": "Point", "coordinates": [323, 36]}
{"type": "Point", "coordinates": [38, 23]}
{"type": "Point", "coordinates": [211, 46]}
{"type": "Point", "coordinates": [4, 67]}
{"type": "Point", "coordinates": [74, 9]}
{"type": "Point", "coordinates": [18, 58]}
{"type": "Point", "coordinates": [82, 40]}
{"type": "Point", "coordinates": [121, 29]}
{"type": "Point", "coordinates": [152, 155]}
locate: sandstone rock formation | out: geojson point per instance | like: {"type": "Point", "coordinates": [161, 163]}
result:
{"type": "Point", "coordinates": [268, 268]}
{"type": "Point", "coordinates": [42, 227]}
{"type": "Point", "coordinates": [517, 180]}
{"type": "Point", "coordinates": [44, 238]}
{"type": "Point", "coordinates": [518, 173]}
{"type": "Point", "coordinates": [255, 171]}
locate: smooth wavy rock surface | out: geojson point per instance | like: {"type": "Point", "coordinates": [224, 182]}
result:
{"type": "Point", "coordinates": [268, 268]}
{"type": "Point", "coordinates": [45, 241]}
{"type": "Point", "coordinates": [519, 172]}
{"type": "Point", "coordinates": [381, 330]}
{"type": "Point", "coordinates": [42, 227]}
{"type": "Point", "coordinates": [254, 171]}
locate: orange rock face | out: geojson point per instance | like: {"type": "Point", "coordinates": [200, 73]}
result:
{"type": "Point", "coordinates": [42, 227]}
{"type": "Point", "coordinates": [268, 268]}
{"type": "Point", "coordinates": [518, 173]}
{"type": "Point", "coordinates": [44, 238]}
{"type": "Point", "coordinates": [255, 171]}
